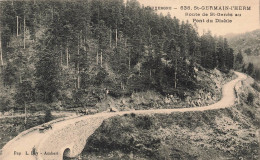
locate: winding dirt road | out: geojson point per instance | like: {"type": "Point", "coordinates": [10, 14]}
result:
{"type": "Point", "coordinates": [21, 146]}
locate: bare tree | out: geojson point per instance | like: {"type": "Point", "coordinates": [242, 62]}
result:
{"type": "Point", "coordinates": [24, 26]}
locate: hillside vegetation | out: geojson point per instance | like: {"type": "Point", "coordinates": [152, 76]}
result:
{"type": "Point", "coordinates": [247, 42]}
{"type": "Point", "coordinates": [71, 54]}
{"type": "Point", "coordinates": [247, 52]}
{"type": "Point", "coordinates": [231, 133]}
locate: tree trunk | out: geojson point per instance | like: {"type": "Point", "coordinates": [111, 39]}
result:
{"type": "Point", "coordinates": [84, 46]}
{"type": "Point", "coordinates": [123, 86]}
{"type": "Point", "coordinates": [116, 37]}
{"type": "Point", "coordinates": [175, 74]}
{"type": "Point", "coordinates": [110, 38]}
{"type": "Point", "coordinates": [139, 69]}
{"type": "Point", "coordinates": [1, 53]}
{"type": "Point", "coordinates": [17, 26]}
{"type": "Point", "coordinates": [86, 36]}
{"type": "Point", "coordinates": [24, 32]}
{"type": "Point", "coordinates": [129, 61]}
{"type": "Point", "coordinates": [97, 57]}
{"type": "Point", "coordinates": [20, 27]}
{"type": "Point", "coordinates": [25, 112]}
{"type": "Point", "coordinates": [61, 57]}
{"type": "Point", "coordinates": [67, 56]}
{"type": "Point", "coordinates": [1, 50]}
{"type": "Point", "coordinates": [20, 77]}
{"type": "Point", "coordinates": [52, 10]}
{"type": "Point", "coordinates": [78, 77]}
{"type": "Point", "coordinates": [101, 59]}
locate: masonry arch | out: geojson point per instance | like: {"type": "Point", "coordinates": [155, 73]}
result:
{"type": "Point", "coordinates": [66, 153]}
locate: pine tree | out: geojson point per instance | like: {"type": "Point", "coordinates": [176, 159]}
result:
{"type": "Point", "coordinates": [9, 75]}
{"type": "Point", "coordinates": [175, 58]}
{"type": "Point", "coordinates": [24, 96]}
{"type": "Point", "coordinates": [208, 56]}
{"type": "Point", "coordinates": [250, 69]}
{"type": "Point", "coordinates": [238, 61]}
{"type": "Point", "coordinates": [47, 76]}
{"type": "Point", "coordinates": [220, 53]}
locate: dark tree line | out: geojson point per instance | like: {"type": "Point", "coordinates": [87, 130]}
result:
{"type": "Point", "coordinates": [76, 45]}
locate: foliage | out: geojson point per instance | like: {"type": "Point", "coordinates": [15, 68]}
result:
{"type": "Point", "coordinates": [9, 76]}
{"type": "Point", "coordinates": [246, 42]}
{"type": "Point", "coordinates": [48, 116]}
{"type": "Point", "coordinates": [250, 69]}
{"type": "Point", "coordinates": [178, 135]}
{"type": "Point", "coordinates": [238, 60]}
{"type": "Point", "coordinates": [257, 74]}
{"type": "Point", "coordinates": [250, 98]}
{"type": "Point", "coordinates": [256, 86]}
{"type": "Point", "coordinates": [144, 122]}
{"type": "Point", "coordinates": [47, 83]}
{"type": "Point", "coordinates": [5, 104]}
{"type": "Point", "coordinates": [74, 45]}
{"type": "Point", "coordinates": [25, 93]}
{"type": "Point", "coordinates": [100, 77]}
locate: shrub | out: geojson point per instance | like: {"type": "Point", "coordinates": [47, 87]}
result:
{"type": "Point", "coordinates": [138, 83]}
{"type": "Point", "coordinates": [4, 103]}
{"type": "Point", "coordinates": [37, 107]}
{"type": "Point", "coordinates": [250, 98]}
{"type": "Point", "coordinates": [256, 86]}
{"type": "Point", "coordinates": [100, 77]}
{"type": "Point", "coordinates": [132, 114]}
{"type": "Point", "coordinates": [48, 116]}
{"type": "Point", "coordinates": [144, 122]}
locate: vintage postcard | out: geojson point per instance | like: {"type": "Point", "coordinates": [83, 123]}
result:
{"type": "Point", "coordinates": [129, 79]}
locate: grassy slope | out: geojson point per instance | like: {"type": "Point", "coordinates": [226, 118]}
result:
{"type": "Point", "coordinates": [222, 134]}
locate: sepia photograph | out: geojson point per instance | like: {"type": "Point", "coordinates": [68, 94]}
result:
{"type": "Point", "coordinates": [129, 80]}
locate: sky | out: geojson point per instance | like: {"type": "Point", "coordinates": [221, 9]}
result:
{"type": "Point", "coordinates": [248, 21]}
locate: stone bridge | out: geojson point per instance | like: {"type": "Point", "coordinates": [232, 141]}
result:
{"type": "Point", "coordinates": [69, 135]}
{"type": "Point", "coordinates": [70, 140]}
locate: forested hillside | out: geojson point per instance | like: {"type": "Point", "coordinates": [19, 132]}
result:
{"type": "Point", "coordinates": [247, 47]}
{"type": "Point", "coordinates": [247, 42]}
{"type": "Point", "coordinates": [68, 54]}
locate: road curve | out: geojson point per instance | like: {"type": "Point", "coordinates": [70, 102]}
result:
{"type": "Point", "coordinates": [21, 146]}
